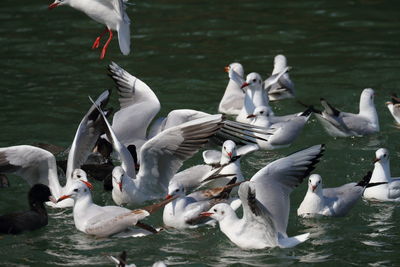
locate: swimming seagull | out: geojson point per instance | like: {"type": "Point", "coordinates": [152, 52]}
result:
{"type": "Point", "coordinates": [104, 221]}
{"type": "Point", "coordinates": [36, 165]}
{"type": "Point", "coordinates": [34, 218]}
{"type": "Point", "coordinates": [256, 230]}
{"type": "Point", "coordinates": [389, 188]}
{"type": "Point", "coordinates": [337, 201]}
{"type": "Point", "coordinates": [284, 88]}
{"type": "Point", "coordinates": [111, 13]}
{"type": "Point", "coordinates": [281, 134]}
{"type": "Point", "coordinates": [394, 107]}
{"type": "Point", "coordinates": [184, 211]}
{"type": "Point", "coordinates": [219, 168]}
{"type": "Point", "coordinates": [266, 202]}
{"type": "Point", "coordinates": [343, 124]}
{"type": "Point", "coordinates": [232, 100]}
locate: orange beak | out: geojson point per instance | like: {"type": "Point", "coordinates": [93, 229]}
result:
{"type": "Point", "coordinates": [227, 68]}
{"type": "Point", "coordinates": [206, 214]}
{"type": "Point", "coordinates": [168, 196]}
{"type": "Point", "coordinates": [63, 197]}
{"type": "Point", "coordinates": [53, 5]}
{"type": "Point", "coordinates": [244, 85]}
{"type": "Point", "coordinates": [87, 184]}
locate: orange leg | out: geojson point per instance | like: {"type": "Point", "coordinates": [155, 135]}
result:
{"type": "Point", "coordinates": [97, 41]}
{"type": "Point", "coordinates": [104, 50]}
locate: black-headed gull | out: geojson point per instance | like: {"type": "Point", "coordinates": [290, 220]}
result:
{"type": "Point", "coordinates": [36, 165]}
{"type": "Point", "coordinates": [389, 188]}
{"type": "Point", "coordinates": [284, 88]}
{"type": "Point", "coordinates": [110, 13]}
{"type": "Point", "coordinates": [394, 107]}
{"type": "Point", "coordinates": [257, 229]}
{"type": "Point", "coordinates": [282, 134]}
{"type": "Point", "coordinates": [233, 98]}
{"type": "Point", "coordinates": [34, 218]}
{"type": "Point", "coordinates": [337, 201]}
{"type": "Point", "coordinates": [161, 157]}
{"type": "Point", "coordinates": [219, 168]}
{"type": "Point", "coordinates": [103, 221]}
{"type": "Point", "coordinates": [184, 211]}
{"type": "Point", "coordinates": [343, 124]}
{"type": "Point", "coordinates": [269, 189]}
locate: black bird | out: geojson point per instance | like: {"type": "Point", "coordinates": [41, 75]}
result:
{"type": "Point", "coordinates": [36, 217]}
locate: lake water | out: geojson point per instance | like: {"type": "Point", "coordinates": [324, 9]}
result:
{"type": "Point", "coordinates": [336, 49]}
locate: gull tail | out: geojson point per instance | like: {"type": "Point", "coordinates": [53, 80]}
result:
{"type": "Point", "coordinates": [365, 180]}
{"type": "Point", "coordinates": [310, 108]}
{"type": "Point", "coordinates": [289, 242]}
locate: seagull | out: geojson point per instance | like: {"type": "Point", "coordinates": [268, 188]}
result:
{"type": "Point", "coordinates": [284, 88]}
{"type": "Point", "coordinates": [266, 203]}
{"type": "Point", "coordinates": [257, 229]}
{"type": "Point", "coordinates": [389, 188]}
{"type": "Point", "coordinates": [394, 107]}
{"type": "Point", "coordinates": [36, 165]}
{"type": "Point", "coordinates": [111, 13]}
{"type": "Point", "coordinates": [333, 202]}
{"type": "Point", "coordinates": [343, 124]}
{"type": "Point", "coordinates": [233, 98]}
{"type": "Point", "coordinates": [184, 211]}
{"type": "Point", "coordinates": [255, 95]}
{"type": "Point", "coordinates": [161, 157]}
{"type": "Point", "coordinates": [219, 168]}
{"type": "Point", "coordinates": [104, 221]}
{"type": "Point", "coordinates": [281, 134]}
{"type": "Point", "coordinates": [34, 218]}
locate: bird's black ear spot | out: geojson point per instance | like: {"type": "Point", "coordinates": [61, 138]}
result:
{"type": "Point", "coordinates": [223, 212]}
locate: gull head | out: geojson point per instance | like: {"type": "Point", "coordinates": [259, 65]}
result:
{"type": "Point", "coordinates": [118, 174]}
{"type": "Point", "coordinates": [228, 151]}
{"type": "Point", "coordinates": [79, 174]}
{"type": "Point", "coordinates": [218, 212]}
{"type": "Point", "coordinates": [253, 81]}
{"type": "Point", "coordinates": [77, 189]}
{"type": "Point", "coordinates": [280, 63]}
{"type": "Point", "coordinates": [315, 183]}
{"type": "Point", "coordinates": [367, 98]}
{"type": "Point", "coordinates": [261, 111]}
{"type": "Point", "coordinates": [381, 156]}
{"type": "Point", "coordinates": [175, 189]}
{"type": "Point", "coordinates": [235, 66]}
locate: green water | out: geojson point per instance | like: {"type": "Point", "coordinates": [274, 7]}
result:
{"type": "Point", "coordinates": [336, 48]}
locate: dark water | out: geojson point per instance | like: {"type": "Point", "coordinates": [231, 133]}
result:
{"type": "Point", "coordinates": [336, 48]}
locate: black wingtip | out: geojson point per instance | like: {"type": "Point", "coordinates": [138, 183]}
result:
{"type": "Point", "coordinates": [365, 180]}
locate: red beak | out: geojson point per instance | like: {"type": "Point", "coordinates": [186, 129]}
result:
{"type": "Point", "coordinates": [244, 85]}
{"type": "Point", "coordinates": [120, 186]}
{"type": "Point", "coordinates": [227, 69]}
{"type": "Point", "coordinates": [63, 197]}
{"type": "Point", "coordinates": [87, 184]}
{"type": "Point", "coordinates": [168, 196]}
{"type": "Point", "coordinates": [206, 214]}
{"type": "Point", "coordinates": [376, 160]}
{"type": "Point", "coordinates": [53, 5]}
{"type": "Point", "coordinates": [251, 116]}
{"type": "Point", "coordinates": [230, 154]}
{"type": "Point", "coordinates": [313, 188]}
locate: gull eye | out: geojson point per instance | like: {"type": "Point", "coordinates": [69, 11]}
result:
{"type": "Point", "coordinates": [176, 190]}
{"type": "Point", "coordinates": [76, 190]}
{"type": "Point", "coordinates": [384, 155]}
{"type": "Point", "coordinates": [215, 210]}
{"type": "Point", "coordinates": [79, 176]}
{"type": "Point", "coordinates": [261, 112]}
{"type": "Point", "coordinates": [254, 80]}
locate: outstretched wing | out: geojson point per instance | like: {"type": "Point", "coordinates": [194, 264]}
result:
{"type": "Point", "coordinates": [164, 154]}
{"type": "Point", "coordinates": [277, 180]}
